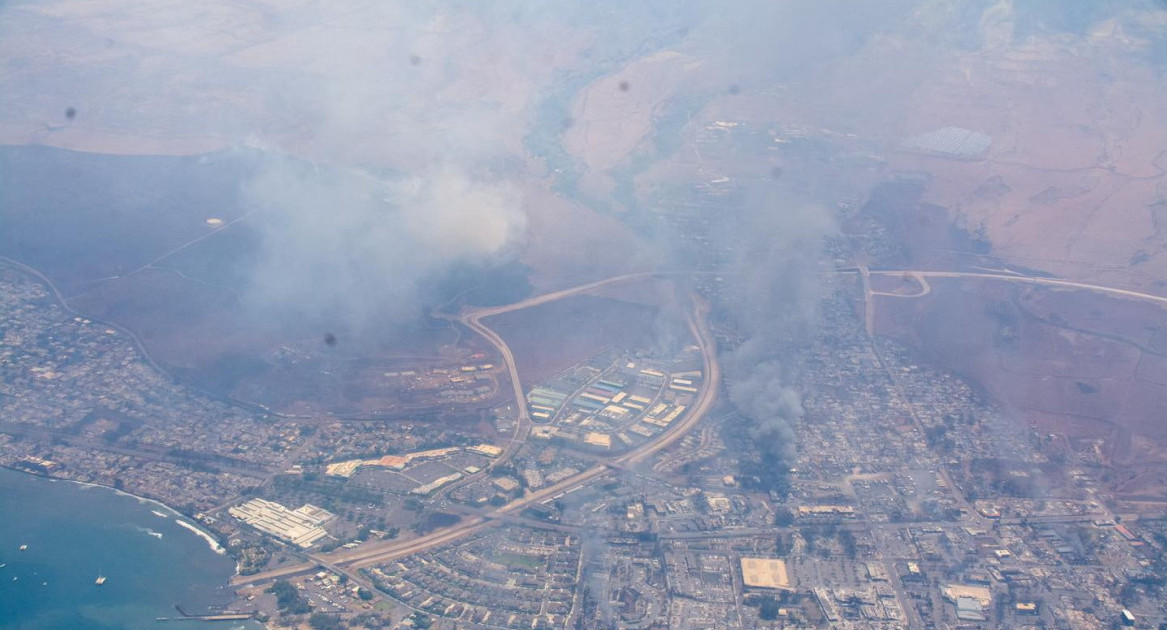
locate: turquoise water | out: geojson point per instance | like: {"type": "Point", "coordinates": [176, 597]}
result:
{"type": "Point", "coordinates": [74, 533]}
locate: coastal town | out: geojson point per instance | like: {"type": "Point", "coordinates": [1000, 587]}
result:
{"type": "Point", "coordinates": [747, 315]}
{"type": "Point", "coordinates": [909, 500]}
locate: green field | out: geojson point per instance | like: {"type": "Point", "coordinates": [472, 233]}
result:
{"type": "Point", "coordinates": [518, 561]}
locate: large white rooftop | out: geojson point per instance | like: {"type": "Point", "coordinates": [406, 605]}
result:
{"type": "Point", "coordinates": [301, 526]}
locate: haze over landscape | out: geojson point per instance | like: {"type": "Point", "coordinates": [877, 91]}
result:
{"type": "Point", "coordinates": [595, 308]}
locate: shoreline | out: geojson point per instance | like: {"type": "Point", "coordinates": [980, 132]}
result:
{"type": "Point", "coordinates": [210, 580]}
{"type": "Point", "coordinates": [180, 519]}
{"type": "Point", "coordinates": [211, 541]}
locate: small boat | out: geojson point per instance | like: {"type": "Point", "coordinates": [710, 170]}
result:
{"type": "Point", "coordinates": [100, 580]}
{"type": "Point", "coordinates": [23, 547]}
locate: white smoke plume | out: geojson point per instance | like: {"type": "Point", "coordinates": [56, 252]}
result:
{"type": "Point", "coordinates": [351, 247]}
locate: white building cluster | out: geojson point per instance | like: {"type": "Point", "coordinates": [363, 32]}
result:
{"type": "Point", "coordinates": [301, 526]}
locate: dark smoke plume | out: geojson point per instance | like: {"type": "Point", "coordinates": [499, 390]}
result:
{"type": "Point", "coordinates": [772, 297]}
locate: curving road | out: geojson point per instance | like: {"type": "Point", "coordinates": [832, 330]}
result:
{"type": "Point", "coordinates": [472, 319]}
{"type": "Point", "coordinates": [137, 341]}
{"type": "Point", "coordinates": [922, 276]}
{"type": "Point", "coordinates": [924, 289]}
{"type": "Point", "coordinates": [523, 419]}
{"type": "Point", "coordinates": [488, 311]}
{"type": "Point", "coordinates": [381, 552]}
{"type": "Point", "coordinates": [1011, 277]}
{"type": "Point", "coordinates": [706, 396]}
{"type": "Point", "coordinates": [376, 553]}
{"type": "Point", "coordinates": [60, 297]}
{"type": "Point", "coordinates": [1049, 282]}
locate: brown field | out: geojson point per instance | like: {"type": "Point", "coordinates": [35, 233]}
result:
{"type": "Point", "coordinates": [1073, 178]}
{"type": "Point", "coordinates": [173, 79]}
{"type": "Point", "coordinates": [615, 113]}
{"type": "Point", "coordinates": [206, 338]}
{"type": "Point", "coordinates": [552, 337]}
{"type": "Point", "coordinates": [569, 245]}
{"type": "Point", "coordinates": [1073, 363]}
{"type": "Point", "coordinates": [1073, 184]}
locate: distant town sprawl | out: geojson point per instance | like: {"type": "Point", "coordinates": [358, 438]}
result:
{"type": "Point", "coordinates": [910, 500]}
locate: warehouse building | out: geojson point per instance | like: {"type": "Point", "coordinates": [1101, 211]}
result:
{"type": "Point", "coordinates": [301, 527]}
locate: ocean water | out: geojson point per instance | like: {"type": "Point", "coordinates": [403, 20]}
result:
{"type": "Point", "coordinates": [75, 533]}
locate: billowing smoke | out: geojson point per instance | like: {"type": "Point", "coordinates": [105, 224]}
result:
{"type": "Point", "coordinates": [408, 174]}
{"type": "Point", "coordinates": [595, 576]}
{"type": "Point", "coordinates": [769, 404]}
{"type": "Point", "coordinates": [772, 296]}
{"type": "Point", "coordinates": [363, 250]}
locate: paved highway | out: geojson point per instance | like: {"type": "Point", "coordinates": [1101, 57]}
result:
{"type": "Point", "coordinates": [375, 553]}
{"type": "Point", "coordinates": [472, 319]}
{"type": "Point", "coordinates": [380, 552]}
{"type": "Point", "coordinates": [1011, 277]}
{"type": "Point", "coordinates": [489, 311]}
{"type": "Point", "coordinates": [710, 385]}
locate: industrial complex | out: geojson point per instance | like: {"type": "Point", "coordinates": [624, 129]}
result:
{"type": "Point", "coordinates": [302, 526]}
